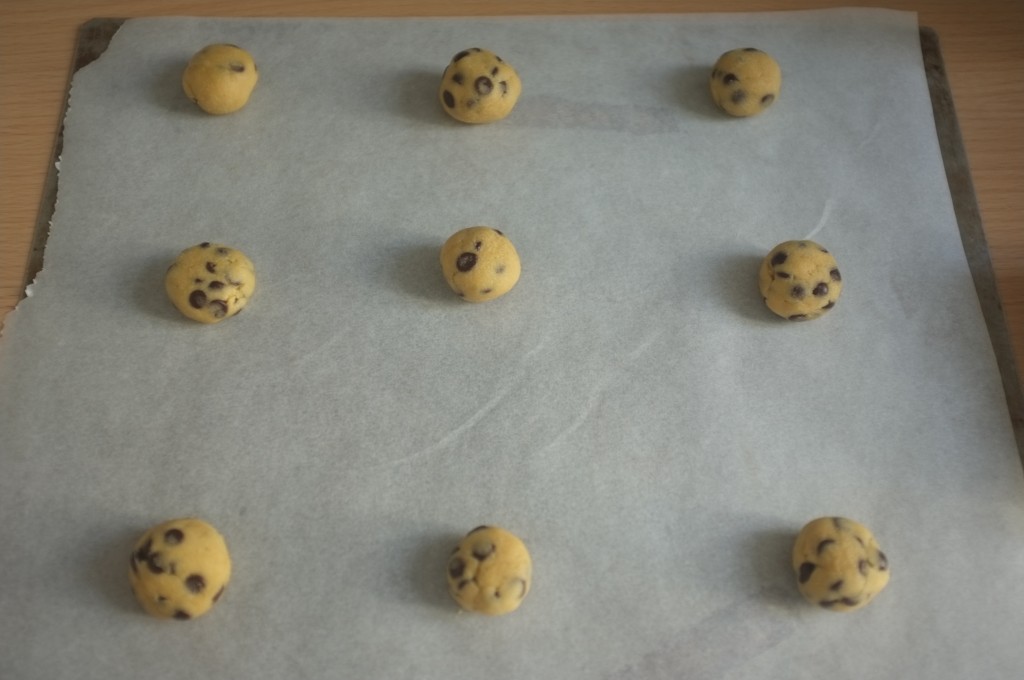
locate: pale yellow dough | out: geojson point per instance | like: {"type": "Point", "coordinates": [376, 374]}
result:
{"type": "Point", "coordinates": [210, 282]}
{"type": "Point", "coordinates": [480, 263]}
{"type": "Point", "coordinates": [220, 78]}
{"type": "Point", "coordinates": [479, 87]}
{"type": "Point", "coordinates": [179, 569]}
{"type": "Point", "coordinates": [838, 564]}
{"type": "Point", "coordinates": [745, 82]}
{"type": "Point", "coordinates": [490, 571]}
{"type": "Point", "coordinates": [800, 280]}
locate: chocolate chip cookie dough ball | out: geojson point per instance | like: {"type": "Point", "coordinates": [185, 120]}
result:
{"type": "Point", "coordinates": [220, 78]}
{"type": "Point", "coordinates": [179, 569]}
{"type": "Point", "coordinates": [480, 263]}
{"type": "Point", "coordinates": [838, 564]}
{"type": "Point", "coordinates": [210, 282]}
{"type": "Point", "coordinates": [745, 82]}
{"type": "Point", "coordinates": [478, 87]}
{"type": "Point", "coordinates": [489, 571]}
{"type": "Point", "coordinates": [800, 280]}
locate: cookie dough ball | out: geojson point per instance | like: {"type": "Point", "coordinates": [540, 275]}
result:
{"type": "Point", "coordinates": [480, 263]}
{"type": "Point", "coordinates": [220, 78]}
{"type": "Point", "coordinates": [838, 564]}
{"type": "Point", "coordinates": [800, 280]}
{"type": "Point", "coordinates": [179, 569]}
{"type": "Point", "coordinates": [489, 571]}
{"type": "Point", "coordinates": [210, 282]}
{"type": "Point", "coordinates": [745, 82]}
{"type": "Point", "coordinates": [478, 87]}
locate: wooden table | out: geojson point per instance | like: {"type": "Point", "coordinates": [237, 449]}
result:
{"type": "Point", "coordinates": [980, 41]}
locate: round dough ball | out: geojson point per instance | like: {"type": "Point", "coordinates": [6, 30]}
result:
{"type": "Point", "coordinates": [480, 263]}
{"type": "Point", "coordinates": [210, 282]}
{"type": "Point", "coordinates": [179, 569]}
{"type": "Point", "coordinates": [838, 564]}
{"type": "Point", "coordinates": [800, 280]}
{"type": "Point", "coordinates": [745, 82]}
{"type": "Point", "coordinates": [489, 571]}
{"type": "Point", "coordinates": [478, 87]}
{"type": "Point", "coordinates": [220, 78]}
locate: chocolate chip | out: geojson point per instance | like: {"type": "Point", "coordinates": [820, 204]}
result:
{"type": "Point", "coordinates": [197, 299]}
{"type": "Point", "coordinates": [779, 258]}
{"type": "Point", "coordinates": [461, 55]}
{"type": "Point", "coordinates": [482, 551]}
{"type": "Point", "coordinates": [222, 251]}
{"type": "Point", "coordinates": [465, 262]}
{"type": "Point", "coordinates": [883, 561]}
{"type": "Point", "coordinates": [463, 583]}
{"type": "Point", "coordinates": [767, 99]}
{"type": "Point", "coordinates": [195, 583]}
{"type": "Point", "coordinates": [483, 85]}
{"type": "Point", "coordinates": [821, 290]}
{"type": "Point", "coordinates": [458, 78]}
{"type": "Point", "coordinates": [220, 308]}
{"type": "Point", "coordinates": [482, 526]}
{"type": "Point", "coordinates": [457, 567]}
{"type": "Point", "coordinates": [751, 49]}
{"type": "Point", "coordinates": [824, 544]}
{"type": "Point", "coordinates": [797, 292]}
{"type": "Point", "coordinates": [797, 317]}
{"type": "Point", "coordinates": [829, 305]}
{"type": "Point", "coordinates": [211, 267]}
{"type": "Point", "coordinates": [219, 593]}
{"type": "Point", "coordinates": [204, 244]}
{"type": "Point", "coordinates": [835, 275]}
{"type": "Point", "coordinates": [823, 249]}
{"type": "Point", "coordinates": [806, 569]}
{"type": "Point", "coordinates": [197, 281]}
{"type": "Point", "coordinates": [216, 285]}
{"type": "Point", "coordinates": [449, 99]}
{"type": "Point", "coordinates": [174, 536]}
{"type": "Point", "coordinates": [500, 269]}
{"type": "Point", "coordinates": [143, 552]}
{"type": "Point", "coordinates": [862, 567]}
{"type": "Point", "coordinates": [494, 71]}
{"type": "Point", "coordinates": [181, 615]}
{"type": "Point", "coordinates": [487, 291]}
{"type": "Point", "coordinates": [236, 67]}
{"type": "Point", "coordinates": [522, 588]}
{"type": "Point", "coordinates": [730, 78]}
{"type": "Point", "coordinates": [504, 87]}
{"type": "Point", "coordinates": [738, 96]}
{"type": "Point", "coordinates": [499, 58]}
{"type": "Point", "coordinates": [161, 598]}
{"type": "Point", "coordinates": [850, 601]}
{"type": "Point", "coordinates": [499, 232]}
{"type": "Point", "coordinates": [837, 585]}
{"type": "Point", "coordinates": [153, 562]}
{"type": "Point", "coordinates": [478, 245]}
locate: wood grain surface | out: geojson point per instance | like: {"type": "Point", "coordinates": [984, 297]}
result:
{"type": "Point", "coordinates": [980, 41]}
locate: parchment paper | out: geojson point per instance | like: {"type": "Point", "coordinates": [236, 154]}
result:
{"type": "Point", "coordinates": [631, 410]}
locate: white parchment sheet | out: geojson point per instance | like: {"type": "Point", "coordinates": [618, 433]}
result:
{"type": "Point", "coordinates": [631, 409]}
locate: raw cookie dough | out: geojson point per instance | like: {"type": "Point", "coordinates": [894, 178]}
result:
{"type": "Point", "coordinates": [745, 82]}
{"type": "Point", "coordinates": [838, 564]}
{"type": "Point", "coordinates": [480, 263]}
{"type": "Point", "coordinates": [220, 78]}
{"type": "Point", "coordinates": [210, 282]}
{"type": "Point", "coordinates": [489, 571]}
{"type": "Point", "coordinates": [179, 569]}
{"type": "Point", "coordinates": [799, 280]}
{"type": "Point", "coordinates": [478, 87]}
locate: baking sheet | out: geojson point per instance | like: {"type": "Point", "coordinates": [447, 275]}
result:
{"type": "Point", "coordinates": [630, 410]}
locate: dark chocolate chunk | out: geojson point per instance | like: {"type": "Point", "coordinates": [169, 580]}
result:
{"type": "Point", "coordinates": [730, 78]}
{"type": "Point", "coordinates": [779, 258]}
{"type": "Point", "coordinates": [797, 317]}
{"type": "Point", "coordinates": [823, 249]}
{"type": "Point", "coordinates": [494, 71]}
{"type": "Point", "coordinates": [806, 569]}
{"type": "Point", "coordinates": [782, 275]}
{"type": "Point", "coordinates": [195, 583]}
{"type": "Point", "coordinates": [219, 308]}
{"type": "Point", "coordinates": [211, 267]}
{"type": "Point", "coordinates": [222, 251]}
{"type": "Point", "coordinates": [478, 245]}
{"type": "Point", "coordinates": [458, 78]}
{"type": "Point", "coordinates": [824, 544]}
{"type": "Point", "coordinates": [483, 85]}
{"type": "Point", "coordinates": [236, 67]}
{"type": "Point", "coordinates": [738, 96]}
{"type": "Point", "coordinates": [216, 285]}
{"type": "Point", "coordinates": [153, 561]}
{"type": "Point", "coordinates": [821, 290]}
{"type": "Point", "coordinates": [829, 305]}
{"type": "Point", "coordinates": [487, 291]}
{"type": "Point", "coordinates": [797, 292]}
{"type": "Point", "coordinates": [219, 593]}
{"type": "Point", "coordinates": [181, 615]}
{"type": "Point", "coordinates": [143, 552]}
{"type": "Point", "coordinates": [465, 262]}
{"type": "Point", "coordinates": [850, 601]}
{"type": "Point", "coordinates": [204, 244]}
{"type": "Point", "coordinates": [449, 99]}
{"type": "Point", "coordinates": [174, 536]}
{"type": "Point", "coordinates": [499, 58]}
{"type": "Point", "coordinates": [197, 299]}
{"type": "Point", "coordinates": [837, 585]}
{"type": "Point", "coordinates": [751, 49]}
{"type": "Point", "coordinates": [500, 232]}
{"type": "Point", "coordinates": [504, 87]}
{"type": "Point", "coordinates": [457, 567]}
{"type": "Point", "coordinates": [197, 281]}
{"type": "Point", "coordinates": [883, 561]}
{"type": "Point", "coordinates": [835, 275]}
{"type": "Point", "coordinates": [767, 99]}
{"type": "Point", "coordinates": [461, 55]}
{"type": "Point", "coordinates": [463, 583]}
